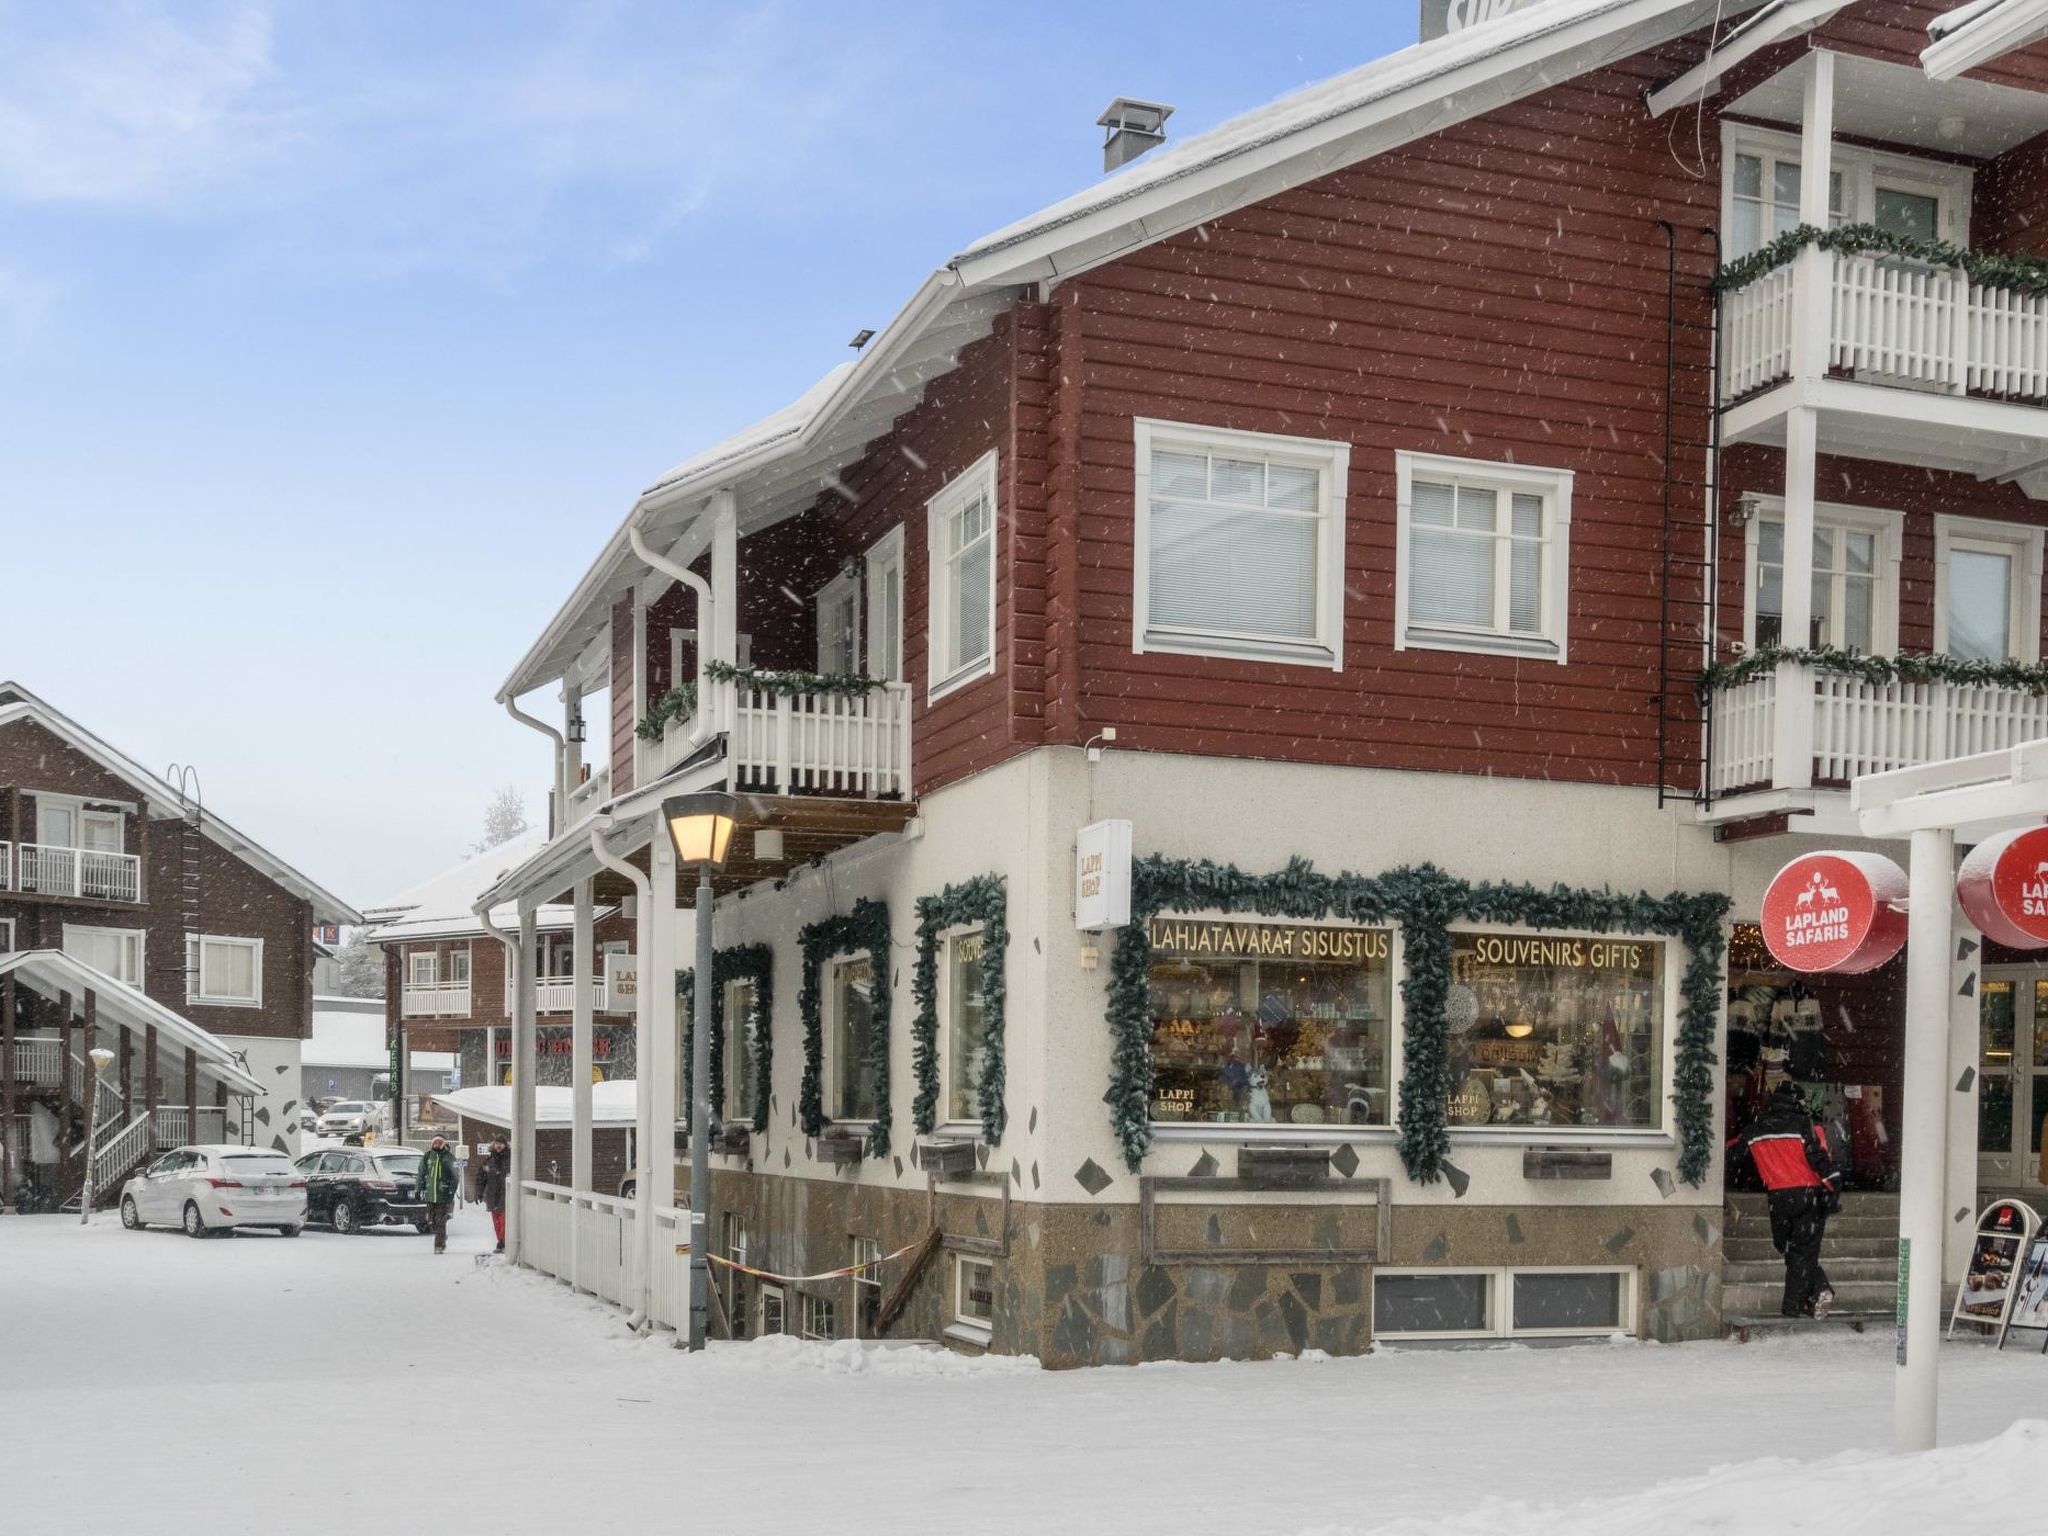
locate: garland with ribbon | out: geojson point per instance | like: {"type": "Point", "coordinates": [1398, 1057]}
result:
{"type": "Point", "coordinates": [1987, 269]}
{"type": "Point", "coordinates": [866, 927]}
{"type": "Point", "coordinates": [790, 684]}
{"type": "Point", "coordinates": [984, 900]}
{"type": "Point", "coordinates": [740, 962]}
{"type": "Point", "coordinates": [1425, 901]}
{"type": "Point", "coordinates": [1913, 667]}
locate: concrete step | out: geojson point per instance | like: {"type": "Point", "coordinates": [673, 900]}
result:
{"type": "Point", "coordinates": [1759, 1226]}
{"type": "Point", "coordinates": [1758, 1249]}
{"type": "Point", "coordinates": [1854, 1203]}
{"type": "Point", "coordinates": [1841, 1271]}
{"type": "Point", "coordinates": [1755, 1298]}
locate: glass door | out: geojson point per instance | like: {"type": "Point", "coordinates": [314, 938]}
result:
{"type": "Point", "coordinates": [2030, 1089]}
{"type": "Point", "coordinates": [2012, 1076]}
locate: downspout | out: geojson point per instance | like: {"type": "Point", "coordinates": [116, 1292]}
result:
{"type": "Point", "coordinates": [707, 607]}
{"type": "Point", "coordinates": [561, 805]}
{"type": "Point", "coordinates": [643, 1185]}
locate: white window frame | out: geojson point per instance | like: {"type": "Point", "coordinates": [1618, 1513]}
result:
{"type": "Point", "coordinates": [736, 1083]}
{"type": "Point", "coordinates": [829, 1062]}
{"type": "Point", "coordinates": [885, 554]}
{"type": "Point", "coordinates": [979, 478]}
{"type": "Point", "coordinates": [866, 1251]}
{"type": "Point", "coordinates": [1331, 460]}
{"type": "Point", "coordinates": [2024, 544]}
{"type": "Point", "coordinates": [6, 935]}
{"type": "Point", "coordinates": [1887, 525]}
{"type": "Point", "coordinates": [845, 584]}
{"type": "Point", "coordinates": [458, 952]}
{"type": "Point", "coordinates": [68, 805]}
{"type": "Point", "coordinates": [806, 1321]}
{"type": "Point", "coordinates": [948, 1065]}
{"type": "Point", "coordinates": [1862, 171]}
{"type": "Point", "coordinates": [88, 815]}
{"type": "Point", "coordinates": [413, 957]}
{"type": "Point", "coordinates": [195, 971]}
{"type": "Point", "coordinates": [139, 935]}
{"type": "Point", "coordinates": [1555, 486]}
{"type": "Point", "coordinates": [1500, 1301]}
{"type": "Point", "coordinates": [959, 1326]}
{"type": "Point", "coordinates": [770, 1294]}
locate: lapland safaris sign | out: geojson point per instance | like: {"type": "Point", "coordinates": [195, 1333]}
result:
{"type": "Point", "coordinates": [2003, 886]}
{"type": "Point", "coordinates": [1843, 913]}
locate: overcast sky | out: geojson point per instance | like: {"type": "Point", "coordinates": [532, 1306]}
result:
{"type": "Point", "coordinates": [336, 337]}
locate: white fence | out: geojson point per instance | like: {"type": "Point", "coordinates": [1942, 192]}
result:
{"type": "Point", "coordinates": [448, 999]}
{"type": "Point", "coordinates": [557, 994]}
{"type": "Point", "coordinates": [37, 1059]}
{"type": "Point", "coordinates": [844, 744]}
{"type": "Point", "coordinates": [118, 1154]}
{"type": "Point", "coordinates": [174, 1126]}
{"type": "Point", "coordinates": [1895, 321]}
{"type": "Point", "coordinates": [1862, 727]}
{"type": "Point", "coordinates": [591, 1242]}
{"type": "Point", "coordinates": [47, 870]}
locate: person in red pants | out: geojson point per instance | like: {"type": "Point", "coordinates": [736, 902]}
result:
{"type": "Point", "coordinates": [491, 1180]}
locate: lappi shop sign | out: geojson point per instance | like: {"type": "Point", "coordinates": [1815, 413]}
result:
{"type": "Point", "coordinates": [2003, 886]}
{"type": "Point", "coordinates": [1837, 912]}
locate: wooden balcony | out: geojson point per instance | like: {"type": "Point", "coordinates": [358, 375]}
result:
{"type": "Point", "coordinates": [777, 742]}
{"type": "Point", "coordinates": [88, 874]}
{"type": "Point", "coordinates": [440, 1000]}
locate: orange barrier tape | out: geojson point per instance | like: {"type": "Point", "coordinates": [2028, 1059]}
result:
{"type": "Point", "coordinates": [830, 1274]}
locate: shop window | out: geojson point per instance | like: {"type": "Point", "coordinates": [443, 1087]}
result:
{"type": "Point", "coordinates": [1502, 1303]}
{"type": "Point", "coordinates": [1270, 1023]}
{"type": "Point", "coordinates": [1483, 557]}
{"type": "Point", "coordinates": [1550, 1030]}
{"type": "Point", "coordinates": [867, 1286]}
{"type": "Point", "coordinates": [224, 971]}
{"type": "Point", "coordinates": [851, 1072]}
{"type": "Point", "coordinates": [741, 1024]}
{"type": "Point", "coordinates": [1240, 544]}
{"type": "Point", "coordinates": [974, 1299]}
{"type": "Point", "coordinates": [966, 1025]}
{"type": "Point", "coordinates": [962, 530]}
{"type": "Point", "coordinates": [1433, 1304]}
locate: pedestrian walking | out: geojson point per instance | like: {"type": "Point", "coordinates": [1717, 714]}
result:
{"type": "Point", "coordinates": [1791, 1155]}
{"type": "Point", "coordinates": [491, 1180]}
{"type": "Point", "coordinates": [440, 1181]}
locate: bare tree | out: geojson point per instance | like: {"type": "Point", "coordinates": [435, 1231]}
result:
{"type": "Point", "coordinates": [504, 819]}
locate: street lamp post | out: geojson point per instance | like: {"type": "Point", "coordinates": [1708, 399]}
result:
{"type": "Point", "coordinates": [101, 1059]}
{"type": "Point", "coordinates": [701, 828]}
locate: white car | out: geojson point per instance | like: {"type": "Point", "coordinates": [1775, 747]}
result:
{"type": "Point", "coordinates": [351, 1117]}
{"type": "Point", "coordinates": [210, 1190]}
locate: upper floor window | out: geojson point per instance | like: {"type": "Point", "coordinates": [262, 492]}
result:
{"type": "Point", "coordinates": [839, 626]}
{"type": "Point", "coordinates": [6, 935]}
{"type": "Point", "coordinates": [1484, 556]}
{"type": "Point", "coordinates": [1911, 198]}
{"type": "Point", "coordinates": [422, 968]}
{"type": "Point", "coordinates": [1855, 579]}
{"type": "Point", "coordinates": [63, 821]}
{"type": "Point", "coordinates": [1987, 600]}
{"type": "Point", "coordinates": [1240, 544]}
{"type": "Point", "coordinates": [223, 970]}
{"type": "Point", "coordinates": [116, 951]}
{"type": "Point", "coordinates": [885, 607]}
{"type": "Point", "coordinates": [962, 532]}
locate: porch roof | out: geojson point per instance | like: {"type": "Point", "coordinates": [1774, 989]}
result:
{"type": "Point", "coordinates": [50, 972]}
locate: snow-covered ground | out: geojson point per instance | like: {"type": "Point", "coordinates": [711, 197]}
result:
{"type": "Point", "coordinates": [153, 1383]}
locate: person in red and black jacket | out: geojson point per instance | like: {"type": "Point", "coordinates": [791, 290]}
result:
{"type": "Point", "coordinates": [1791, 1155]}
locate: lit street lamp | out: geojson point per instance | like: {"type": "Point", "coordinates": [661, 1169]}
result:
{"type": "Point", "coordinates": [701, 827]}
{"type": "Point", "coordinates": [101, 1059]}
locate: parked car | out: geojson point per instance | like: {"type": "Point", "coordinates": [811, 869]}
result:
{"type": "Point", "coordinates": [374, 1187]}
{"type": "Point", "coordinates": [212, 1190]}
{"type": "Point", "coordinates": [350, 1118]}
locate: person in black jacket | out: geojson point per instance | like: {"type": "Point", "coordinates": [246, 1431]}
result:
{"type": "Point", "coordinates": [491, 1180]}
{"type": "Point", "coordinates": [1791, 1155]}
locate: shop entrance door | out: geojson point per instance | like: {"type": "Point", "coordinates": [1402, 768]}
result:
{"type": "Point", "coordinates": [2012, 1076]}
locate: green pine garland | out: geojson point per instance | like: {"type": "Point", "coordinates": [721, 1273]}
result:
{"type": "Point", "coordinates": [1987, 269]}
{"type": "Point", "coordinates": [983, 900]}
{"type": "Point", "coordinates": [679, 703]}
{"type": "Point", "coordinates": [741, 962]}
{"type": "Point", "coordinates": [790, 684]}
{"type": "Point", "coordinates": [866, 927]}
{"type": "Point", "coordinates": [1914, 667]}
{"type": "Point", "coordinates": [1424, 901]}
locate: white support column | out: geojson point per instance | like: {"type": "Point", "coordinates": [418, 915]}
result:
{"type": "Point", "coordinates": [1793, 733]}
{"type": "Point", "coordinates": [582, 1007]}
{"type": "Point", "coordinates": [572, 749]}
{"type": "Point", "coordinates": [658, 983]}
{"type": "Point", "coordinates": [640, 699]}
{"type": "Point", "coordinates": [524, 1066]}
{"type": "Point", "coordinates": [1923, 1139]}
{"type": "Point", "coordinates": [490, 1057]}
{"type": "Point", "coordinates": [1965, 983]}
{"type": "Point", "coordinates": [725, 567]}
{"type": "Point", "coordinates": [1813, 283]}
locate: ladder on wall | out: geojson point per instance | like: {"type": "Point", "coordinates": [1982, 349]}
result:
{"type": "Point", "coordinates": [1687, 606]}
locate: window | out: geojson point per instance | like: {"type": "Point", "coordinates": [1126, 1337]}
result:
{"type": "Point", "coordinates": [100, 831]}
{"type": "Point", "coordinates": [1502, 1303]}
{"type": "Point", "coordinates": [867, 1286]}
{"type": "Point", "coordinates": [226, 971]}
{"type": "Point", "coordinates": [116, 951]}
{"type": "Point", "coordinates": [839, 627]}
{"type": "Point", "coordinates": [1764, 198]}
{"type": "Point", "coordinates": [963, 578]}
{"type": "Point", "coordinates": [1900, 194]}
{"type": "Point", "coordinates": [885, 607]}
{"type": "Point", "coordinates": [422, 968]}
{"type": "Point", "coordinates": [850, 1072]}
{"type": "Point", "coordinates": [1483, 557]}
{"type": "Point", "coordinates": [1855, 578]}
{"type": "Point", "coordinates": [814, 1315]}
{"type": "Point", "coordinates": [741, 1024]}
{"type": "Point", "coordinates": [732, 1284]}
{"type": "Point", "coordinates": [966, 1025]}
{"type": "Point", "coordinates": [1240, 544]}
{"type": "Point", "coordinates": [56, 822]}
{"type": "Point", "coordinates": [6, 935]}
{"type": "Point", "coordinates": [773, 1315]}
{"type": "Point", "coordinates": [974, 1299]}
{"type": "Point", "coordinates": [1987, 598]}
{"type": "Point", "coordinates": [1555, 1030]}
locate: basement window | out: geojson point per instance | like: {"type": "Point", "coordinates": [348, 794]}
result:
{"type": "Point", "coordinates": [1503, 1303]}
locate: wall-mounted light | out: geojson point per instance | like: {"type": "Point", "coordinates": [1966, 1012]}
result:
{"type": "Point", "coordinates": [1748, 506]}
{"type": "Point", "coordinates": [578, 732]}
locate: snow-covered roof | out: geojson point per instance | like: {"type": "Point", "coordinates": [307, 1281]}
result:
{"type": "Point", "coordinates": [611, 1103]}
{"type": "Point", "coordinates": [1975, 34]}
{"type": "Point", "coordinates": [445, 906]}
{"type": "Point", "coordinates": [17, 703]}
{"type": "Point", "coordinates": [349, 1037]}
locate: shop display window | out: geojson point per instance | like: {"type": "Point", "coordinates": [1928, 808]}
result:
{"type": "Point", "coordinates": [740, 1027]}
{"type": "Point", "coordinates": [853, 1016]}
{"type": "Point", "coordinates": [974, 1298]}
{"type": "Point", "coordinates": [1270, 1023]}
{"type": "Point", "coordinates": [1556, 1031]}
{"type": "Point", "coordinates": [967, 1025]}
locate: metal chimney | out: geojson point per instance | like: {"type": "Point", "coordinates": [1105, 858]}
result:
{"type": "Point", "coordinates": [1134, 127]}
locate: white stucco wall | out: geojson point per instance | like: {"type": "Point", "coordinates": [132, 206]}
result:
{"type": "Point", "coordinates": [275, 1064]}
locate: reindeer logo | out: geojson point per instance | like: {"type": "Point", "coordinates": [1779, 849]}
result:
{"type": "Point", "coordinates": [1817, 888]}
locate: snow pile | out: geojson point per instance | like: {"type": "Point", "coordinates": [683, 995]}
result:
{"type": "Point", "coordinates": [863, 1357]}
{"type": "Point", "coordinates": [1990, 1486]}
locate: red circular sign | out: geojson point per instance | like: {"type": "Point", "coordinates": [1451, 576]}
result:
{"type": "Point", "coordinates": [1843, 913]}
{"type": "Point", "coordinates": [2003, 886]}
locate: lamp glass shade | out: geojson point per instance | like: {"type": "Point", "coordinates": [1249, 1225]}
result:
{"type": "Point", "coordinates": [701, 838]}
{"type": "Point", "coordinates": [102, 1058]}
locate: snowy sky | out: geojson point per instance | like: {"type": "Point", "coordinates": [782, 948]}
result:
{"type": "Point", "coordinates": [335, 338]}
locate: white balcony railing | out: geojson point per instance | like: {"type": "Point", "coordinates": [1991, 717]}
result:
{"type": "Point", "coordinates": [820, 743]}
{"type": "Point", "coordinates": [174, 1126]}
{"type": "Point", "coordinates": [37, 1060]}
{"type": "Point", "coordinates": [588, 796]}
{"type": "Point", "coordinates": [117, 1155]}
{"type": "Point", "coordinates": [6, 866]}
{"type": "Point", "coordinates": [1863, 727]}
{"type": "Point", "coordinates": [557, 994]}
{"type": "Point", "coordinates": [45, 869]}
{"type": "Point", "coordinates": [1894, 321]}
{"type": "Point", "coordinates": [445, 1000]}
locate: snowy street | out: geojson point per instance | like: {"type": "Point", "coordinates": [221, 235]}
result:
{"type": "Point", "coordinates": [172, 1386]}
